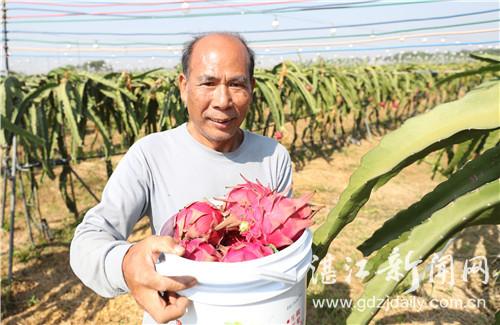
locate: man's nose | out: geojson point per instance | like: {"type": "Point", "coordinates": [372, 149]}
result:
{"type": "Point", "coordinates": [221, 97]}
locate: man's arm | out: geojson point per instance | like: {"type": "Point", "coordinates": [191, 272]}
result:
{"type": "Point", "coordinates": [103, 259]}
{"type": "Point", "coordinates": [99, 244]}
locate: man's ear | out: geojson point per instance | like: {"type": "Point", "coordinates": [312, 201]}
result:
{"type": "Point", "coordinates": [182, 80]}
{"type": "Point", "coordinates": [253, 84]}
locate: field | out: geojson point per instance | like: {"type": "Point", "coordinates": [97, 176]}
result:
{"type": "Point", "coordinates": [427, 185]}
{"type": "Point", "coordinates": [45, 291]}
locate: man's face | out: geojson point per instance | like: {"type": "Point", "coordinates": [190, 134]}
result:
{"type": "Point", "coordinates": [217, 92]}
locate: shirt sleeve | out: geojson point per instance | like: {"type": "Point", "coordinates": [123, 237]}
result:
{"type": "Point", "coordinates": [284, 172]}
{"type": "Point", "coordinates": [100, 241]}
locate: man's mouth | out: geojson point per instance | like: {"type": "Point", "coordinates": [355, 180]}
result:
{"type": "Point", "coordinates": [221, 121]}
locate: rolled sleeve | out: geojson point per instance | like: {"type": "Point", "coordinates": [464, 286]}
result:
{"type": "Point", "coordinates": [113, 267]}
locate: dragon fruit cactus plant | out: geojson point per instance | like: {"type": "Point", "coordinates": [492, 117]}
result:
{"type": "Point", "coordinates": [253, 222]}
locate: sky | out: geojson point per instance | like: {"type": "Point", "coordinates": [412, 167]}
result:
{"type": "Point", "coordinates": [137, 35]}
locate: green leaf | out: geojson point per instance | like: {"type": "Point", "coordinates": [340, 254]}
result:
{"type": "Point", "coordinates": [43, 131]}
{"type": "Point", "coordinates": [272, 99]}
{"type": "Point", "coordinates": [109, 84]}
{"type": "Point", "coordinates": [298, 81]}
{"type": "Point", "coordinates": [423, 240]}
{"type": "Point", "coordinates": [144, 74]}
{"type": "Point", "coordinates": [69, 113]}
{"type": "Point", "coordinates": [10, 95]}
{"type": "Point", "coordinates": [479, 71]}
{"type": "Point", "coordinates": [488, 217]}
{"type": "Point", "coordinates": [491, 58]}
{"type": "Point", "coordinates": [417, 137]}
{"type": "Point", "coordinates": [462, 154]}
{"type": "Point", "coordinates": [492, 140]}
{"type": "Point", "coordinates": [20, 131]}
{"type": "Point", "coordinates": [479, 171]}
{"type": "Point", "coordinates": [92, 115]}
{"type": "Point", "coordinates": [28, 100]}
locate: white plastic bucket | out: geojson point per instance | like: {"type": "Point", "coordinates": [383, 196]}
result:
{"type": "Point", "coordinates": [267, 290]}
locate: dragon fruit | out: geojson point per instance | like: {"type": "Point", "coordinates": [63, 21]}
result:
{"type": "Point", "coordinates": [266, 216]}
{"type": "Point", "coordinates": [254, 221]}
{"type": "Point", "coordinates": [285, 219]}
{"type": "Point", "coordinates": [198, 220]}
{"type": "Point", "coordinates": [245, 251]}
{"type": "Point", "coordinates": [199, 249]}
{"type": "Point", "coordinates": [243, 196]}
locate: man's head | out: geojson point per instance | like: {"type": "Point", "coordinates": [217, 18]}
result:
{"type": "Point", "coordinates": [216, 86]}
{"type": "Point", "coordinates": [188, 51]}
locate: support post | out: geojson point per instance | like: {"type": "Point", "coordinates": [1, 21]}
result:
{"type": "Point", "coordinates": [5, 180]}
{"type": "Point", "coordinates": [5, 40]}
{"type": "Point", "coordinates": [26, 209]}
{"type": "Point", "coordinates": [12, 206]}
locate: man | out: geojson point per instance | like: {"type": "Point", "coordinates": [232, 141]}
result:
{"type": "Point", "coordinates": [165, 171]}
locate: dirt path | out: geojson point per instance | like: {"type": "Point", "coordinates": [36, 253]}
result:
{"type": "Point", "coordinates": [45, 291]}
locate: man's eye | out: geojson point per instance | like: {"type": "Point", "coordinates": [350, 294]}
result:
{"type": "Point", "coordinates": [207, 84]}
{"type": "Point", "coordinates": [237, 84]}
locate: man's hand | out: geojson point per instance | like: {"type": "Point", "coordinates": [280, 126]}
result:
{"type": "Point", "coordinates": [156, 294]}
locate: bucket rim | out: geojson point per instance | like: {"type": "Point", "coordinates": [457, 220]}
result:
{"type": "Point", "coordinates": [258, 261]}
{"type": "Point", "coordinates": [236, 273]}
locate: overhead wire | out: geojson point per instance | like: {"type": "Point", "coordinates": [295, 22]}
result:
{"type": "Point", "coordinates": [387, 22]}
{"type": "Point", "coordinates": [381, 39]}
{"type": "Point", "coordinates": [169, 48]}
{"type": "Point", "coordinates": [148, 11]}
{"type": "Point", "coordinates": [296, 52]}
{"type": "Point", "coordinates": [385, 33]}
{"type": "Point", "coordinates": [103, 4]}
{"type": "Point", "coordinates": [217, 14]}
{"type": "Point", "coordinates": [274, 40]}
{"type": "Point", "coordinates": [395, 47]}
{"type": "Point", "coordinates": [330, 46]}
{"type": "Point", "coordinates": [346, 5]}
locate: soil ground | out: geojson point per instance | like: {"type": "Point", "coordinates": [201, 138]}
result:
{"type": "Point", "coordinates": [45, 290]}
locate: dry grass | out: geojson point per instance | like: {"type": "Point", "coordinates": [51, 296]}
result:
{"type": "Point", "coordinates": [45, 291]}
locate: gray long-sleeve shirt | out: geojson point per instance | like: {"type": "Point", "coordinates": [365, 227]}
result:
{"type": "Point", "coordinates": [158, 176]}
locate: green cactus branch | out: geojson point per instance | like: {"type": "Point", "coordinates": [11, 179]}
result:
{"type": "Point", "coordinates": [490, 216]}
{"type": "Point", "coordinates": [477, 172]}
{"type": "Point", "coordinates": [423, 239]}
{"type": "Point", "coordinates": [448, 123]}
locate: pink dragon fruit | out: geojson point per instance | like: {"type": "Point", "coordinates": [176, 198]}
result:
{"type": "Point", "coordinates": [245, 196]}
{"type": "Point", "coordinates": [245, 251]}
{"type": "Point", "coordinates": [243, 205]}
{"type": "Point", "coordinates": [258, 222]}
{"type": "Point", "coordinates": [266, 216]}
{"type": "Point", "coordinates": [285, 219]}
{"type": "Point", "coordinates": [199, 250]}
{"type": "Point", "coordinates": [198, 220]}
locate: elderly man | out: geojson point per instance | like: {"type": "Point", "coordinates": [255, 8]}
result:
{"type": "Point", "coordinates": [165, 171]}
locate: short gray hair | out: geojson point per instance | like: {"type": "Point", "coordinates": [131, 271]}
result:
{"type": "Point", "coordinates": [188, 50]}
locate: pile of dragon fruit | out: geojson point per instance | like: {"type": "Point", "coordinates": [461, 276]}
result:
{"type": "Point", "coordinates": [253, 222]}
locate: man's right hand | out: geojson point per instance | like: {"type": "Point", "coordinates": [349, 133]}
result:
{"type": "Point", "coordinates": [147, 286]}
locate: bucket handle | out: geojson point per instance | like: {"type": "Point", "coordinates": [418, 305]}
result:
{"type": "Point", "coordinates": [291, 277]}
{"type": "Point", "coordinates": [277, 276]}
